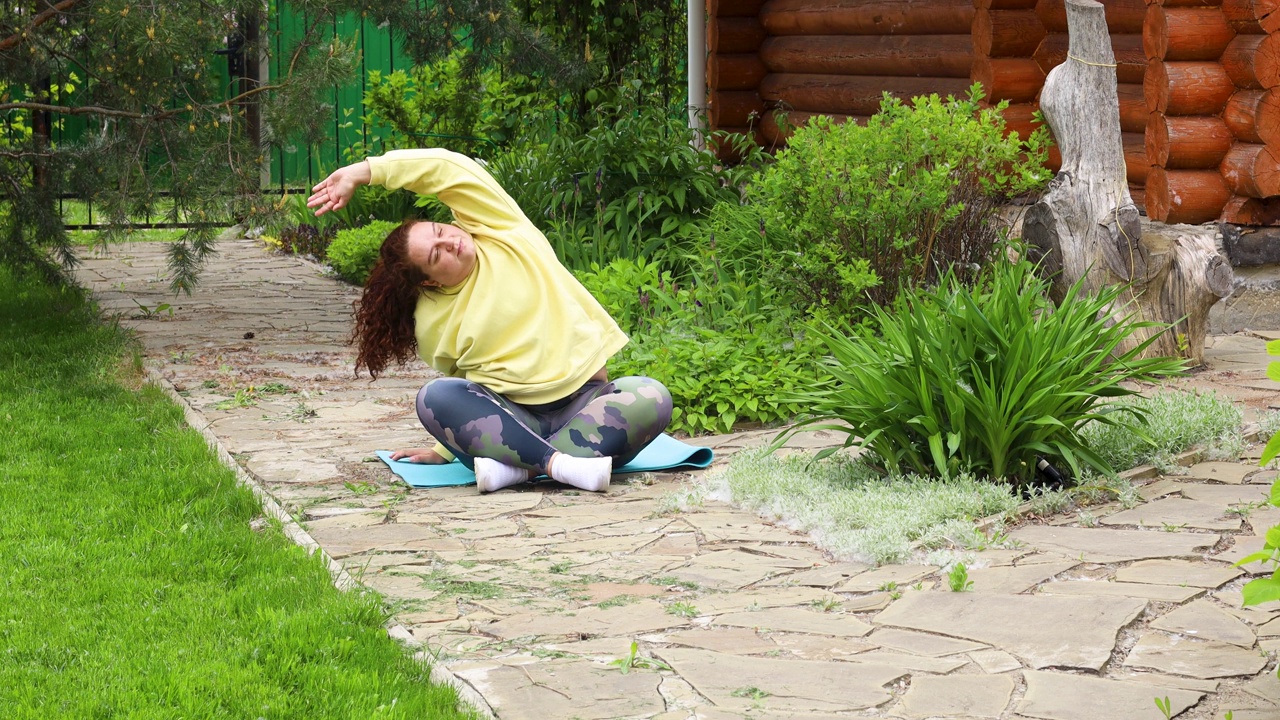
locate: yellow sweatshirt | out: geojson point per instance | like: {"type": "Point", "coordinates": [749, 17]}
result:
{"type": "Point", "coordinates": [520, 324]}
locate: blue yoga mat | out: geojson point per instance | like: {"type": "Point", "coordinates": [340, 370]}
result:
{"type": "Point", "coordinates": [664, 453]}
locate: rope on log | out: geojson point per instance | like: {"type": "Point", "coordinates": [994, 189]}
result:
{"type": "Point", "coordinates": [1130, 58]}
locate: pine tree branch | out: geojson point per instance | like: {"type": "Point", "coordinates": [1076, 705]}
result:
{"type": "Point", "coordinates": [13, 40]}
{"type": "Point", "coordinates": [84, 110]}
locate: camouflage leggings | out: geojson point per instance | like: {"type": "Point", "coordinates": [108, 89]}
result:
{"type": "Point", "coordinates": [616, 418]}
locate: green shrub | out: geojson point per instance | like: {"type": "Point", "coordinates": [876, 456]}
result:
{"type": "Point", "coordinates": [307, 239]}
{"type": "Point", "coordinates": [895, 202]}
{"type": "Point", "coordinates": [725, 347]}
{"type": "Point", "coordinates": [956, 380]}
{"type": "Point", "coordinates": [354, 252]}
{"type": "Point", "coordinates": [620, 188]}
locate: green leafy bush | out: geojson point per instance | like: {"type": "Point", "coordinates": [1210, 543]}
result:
{"type": "Point", "coordinates": [895, 202]}
{"type": "Point", "coordinates": [620, 188]}
{"type": "Point", "coordinates": [955, 380]}
{"type": "Point", "coordinates": [354, 252]}
{"type": "Point", "coordinates": [726, 348]}
{"type": "Point", "coordinates": [440, 105]}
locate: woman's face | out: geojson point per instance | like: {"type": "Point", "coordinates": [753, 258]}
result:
{"type": "Point", "coordinates": [446, 254]}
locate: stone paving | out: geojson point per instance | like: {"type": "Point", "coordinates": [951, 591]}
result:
{"type": "Point", "coordinates": [534, 598]}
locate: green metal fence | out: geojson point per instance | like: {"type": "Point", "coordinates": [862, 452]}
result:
{"type": "Point", "coordinates": [297, 166]}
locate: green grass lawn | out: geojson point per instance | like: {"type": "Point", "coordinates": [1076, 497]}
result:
{"type": "Point", "coordinates": [131, 583]}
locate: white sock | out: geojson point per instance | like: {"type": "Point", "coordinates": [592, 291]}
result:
{"type": "Point", "coordinates": [591, 474]}
{"type": "Point", "coordinates": [492, 475]}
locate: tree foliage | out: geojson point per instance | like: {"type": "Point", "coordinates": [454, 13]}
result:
{"type": "Point", "coordinates": [166, 134]}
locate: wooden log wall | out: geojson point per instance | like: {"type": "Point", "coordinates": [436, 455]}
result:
{"type": "Point", "coordinates": [1198, 80]}
{"type": "Point", "coordinates": [734, 69]}
{"type": "Point", "coordinates": [838, 57]}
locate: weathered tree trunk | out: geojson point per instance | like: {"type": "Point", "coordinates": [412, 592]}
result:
{"type": "Point", "coordinates": [1087, 225]}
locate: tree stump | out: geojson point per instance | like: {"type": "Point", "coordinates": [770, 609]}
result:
{"type": "Point", "coordinates": [1087, 226]}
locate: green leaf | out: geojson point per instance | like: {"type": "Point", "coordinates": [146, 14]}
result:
{"type": "Point", "coordinates": [1261, 590]}
{"type": "Point", "coordinates": [1269, 453]}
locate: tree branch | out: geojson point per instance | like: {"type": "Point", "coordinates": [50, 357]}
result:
{"type": "Point", "coordinates": [13, 40]}
{"type": "Point", "coordinates": [86, 110]}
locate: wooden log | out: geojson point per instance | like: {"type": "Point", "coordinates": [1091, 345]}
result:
{"type": "Point", "coordinates": [1007, 33]}
{"type": "Point", "coordinates": [1241, 114]}
{"type": "Point", "coordinates": [1123, 16]}
{"type": "Point", "coordinates": [727, 143]}
{"type": "Point", "coordinates": [734, 35]}
{"type": "Point", "coordinates": [733, 108]}
{"type": "Point", "coordinates": [1238, 60]}
{"type": "Point", "coordinates": [1019, 119]}
{"type": "Point", "coordinates": [1014, 79]}
{"type": "Point", "coordinates": [735, 72]}
{"type": "Point", "coordinates": [867, 17]}
{"type": "Point", "coordinates": [1133, 108]}
{"type": "Point", "coordinates": [1187, 143]}
{"type": "Point", "coordinates": [1139, 196]}
{"type": "Point", "coordinates": [1253, 61]}
{"type": "Point", "coordinates": [1242, 16]}
{"type": "Point", "coordinates": [1131, 59]}
{"type": "Point", "coordinates": [912, 55]}
{"type": "Point", "coordinates": [1187, 88]}
{"type": "Point", "coordinates": [1266, 119]}
{"type": "Point", "coordinates": [849, 94]}
{"type": "Point", "coordinates": [1087, 226]}
{"type": "Point", "coordinates": [1254, 246]}
{"type": "Point", "coordinates": [1241, 210]}
{"type": "Point", "coordinates": [1251, 170]}
{"type": "Point", "coordinates": [1266, 13]}
{"type": "Point", "coordinates": [734, 8]}
{"type": "Point", "coordinates": [1005, 4]}
{"type": "Point", "coordinates": [776, 127]}
{"type": "Point", "coordinates": [1185, 196]}
{"type": "Point", "coordinates": [1135, 158]}
{"type": "Point", "coordinates": [1185, 33]}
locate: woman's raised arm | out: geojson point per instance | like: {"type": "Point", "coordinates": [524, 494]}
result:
{"type": "Point", "coordinates": [335, 191]}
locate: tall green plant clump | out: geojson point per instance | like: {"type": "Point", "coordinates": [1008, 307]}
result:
{"type": "Point", "coordinates": [983, 380]}
{"type": "Point", "coordinates": [856, 212]}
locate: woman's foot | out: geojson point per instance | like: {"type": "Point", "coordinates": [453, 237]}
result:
{"type": "Point", "coordinates": [492, 475]}
{"type": "Point", "coordinates": [590, 474]}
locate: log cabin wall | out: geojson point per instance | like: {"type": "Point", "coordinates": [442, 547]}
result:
{"type": "Point", "coordinates": [837, 57]}
{"type": "Point", "coordinates": [734, 69]}
{"type": "Point", "coordinates": [1198, 80]}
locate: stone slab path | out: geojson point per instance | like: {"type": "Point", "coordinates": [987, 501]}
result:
{"type": "Point", "coordinates": [556, 604]}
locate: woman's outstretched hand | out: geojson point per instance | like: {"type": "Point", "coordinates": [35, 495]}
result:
{"type": "Point", "coordinates": [422, 456]}
{"type": "Point", "coordinates": [335, 191]}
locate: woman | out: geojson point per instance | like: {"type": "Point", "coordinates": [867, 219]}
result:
{"type": "Point", "coordinates": [522, 344]}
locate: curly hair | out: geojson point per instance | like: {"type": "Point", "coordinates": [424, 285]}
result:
{"type": "Point", "coordinates": [384, 313]}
